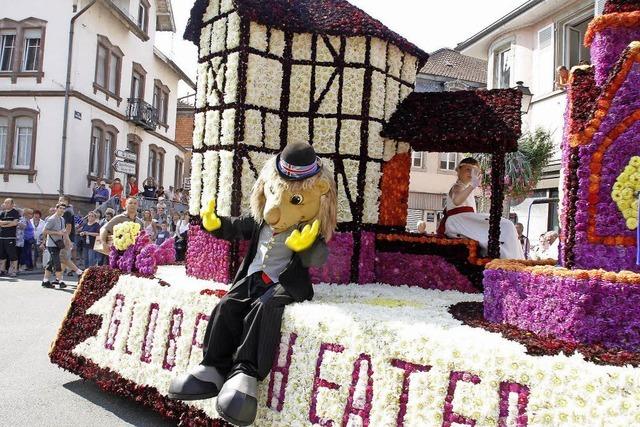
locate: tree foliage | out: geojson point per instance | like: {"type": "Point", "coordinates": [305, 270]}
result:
{"type": "Point", "coordinates": [523, 168]}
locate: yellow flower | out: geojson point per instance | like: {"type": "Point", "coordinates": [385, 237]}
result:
{"type": "Point", "coordinates": [632, 223]}
{"type": "Point", "coordinates": [124, 235]}
{"type": "Point", "coordinates": [624, 192]}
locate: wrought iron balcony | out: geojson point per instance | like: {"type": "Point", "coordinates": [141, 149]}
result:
{"type": "Point", "coordinates": [142, 114]}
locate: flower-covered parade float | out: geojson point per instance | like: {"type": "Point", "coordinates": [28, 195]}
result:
{"type": "Point", "coordinates": [399, 331]}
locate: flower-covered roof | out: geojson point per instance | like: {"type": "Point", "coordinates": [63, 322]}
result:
{"type": "Point", "coordinates": [616, 6]}
{"type": "Point", "coordinates": [477, 121]}
{"type": "Point", "coordinates": [336, 17]}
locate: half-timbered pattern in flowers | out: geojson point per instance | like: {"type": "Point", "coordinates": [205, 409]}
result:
{"type": "Point", "coordinates": [267, 80]}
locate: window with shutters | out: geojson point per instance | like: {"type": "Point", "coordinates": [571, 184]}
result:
{"type": "Point", "coordinates": [544, 69]}
{"type": "Point", "coordinates": [102, 148]}
{"type": "Point", "coordinates": [18, 131]}
{"type": "Point", "coordinates": [108, 69]}
{"type": "Point", "coordinates": [22, 48]}
{"type": "Point", "coordinates": [570, 49]}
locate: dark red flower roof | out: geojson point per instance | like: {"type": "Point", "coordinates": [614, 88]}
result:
{"type": "Point", "coordinates": [335, 17]}
{"type": "Point", "coordinates": [475, 121]}
{"type": "Point", "coordinates": [613, 6]}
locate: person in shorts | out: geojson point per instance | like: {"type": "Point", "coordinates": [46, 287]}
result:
{"type": "Point", "coordinates": [55, 233]}
{"type": "Point", "coordinates": [70, 226]}
{"type": "Point", "coordinates": [9, 218]}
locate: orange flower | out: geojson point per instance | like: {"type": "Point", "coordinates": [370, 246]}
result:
{"type": "Point", "coordinates": [611, 20]}
{"type": "Point", "coordinates": [547, 268]}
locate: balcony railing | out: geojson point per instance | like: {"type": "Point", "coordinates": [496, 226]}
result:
{"type": "Point", "coordinates": [142, 114]}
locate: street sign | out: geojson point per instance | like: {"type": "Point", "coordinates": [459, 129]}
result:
{"type": "Point", "coordinates": [187, 183]}
{"type": "Point", "coordinates": [124, 167]}
{"type": "Point", "coordinates": [126, 155]}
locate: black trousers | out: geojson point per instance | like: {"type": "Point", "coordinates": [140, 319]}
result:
{"type": "Point", "coordinates": [244, 328]}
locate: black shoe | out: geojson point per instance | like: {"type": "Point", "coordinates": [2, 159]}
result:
{"type": "Point", "coordinates": [47, 284]}
{"type": "Point", "coordinates": [62, 285]}
{"type": "Point", "coordinates": [70, 274]}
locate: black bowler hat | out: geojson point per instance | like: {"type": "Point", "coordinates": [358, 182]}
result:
{"type": "Point", "coordinates": [298, 161]}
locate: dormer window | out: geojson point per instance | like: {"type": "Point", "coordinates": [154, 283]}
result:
{"type": "Point", "coordinates": [143, 15]}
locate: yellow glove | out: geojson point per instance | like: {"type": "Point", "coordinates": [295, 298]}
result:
{"type": "Point", "coordinates": [210, 220]}
{"type": "Point", "coordinates": [299, 241]}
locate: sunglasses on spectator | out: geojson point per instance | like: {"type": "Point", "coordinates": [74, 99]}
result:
{"type": "Point", "coordinates": [61, 206]}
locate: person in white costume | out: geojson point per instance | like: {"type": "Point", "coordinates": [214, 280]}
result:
{"type": "Point", "coordinates": [462, 220]}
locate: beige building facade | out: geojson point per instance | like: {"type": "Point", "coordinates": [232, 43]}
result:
{"type": "Point", "coordinates": [68, 110]}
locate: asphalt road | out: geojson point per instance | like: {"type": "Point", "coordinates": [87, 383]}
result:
{"type": "Point", "coordinates": [33, 391]}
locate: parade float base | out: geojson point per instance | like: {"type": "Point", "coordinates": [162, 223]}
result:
{"type": "Point", "coordinates": [374, 355]}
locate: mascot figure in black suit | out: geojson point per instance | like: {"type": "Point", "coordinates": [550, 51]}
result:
{"type": "Point", "coordinates": [293, 214]}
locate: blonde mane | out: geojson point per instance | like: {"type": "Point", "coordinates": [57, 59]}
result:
{"type": "Point", "coordinates": [328, 202]}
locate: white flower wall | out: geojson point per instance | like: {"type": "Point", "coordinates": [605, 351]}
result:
{"type": "Point", "coordinates": [372, 355]}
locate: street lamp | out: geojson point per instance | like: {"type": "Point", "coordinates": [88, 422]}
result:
{"type": "Point", "coordinates": [526, 97]}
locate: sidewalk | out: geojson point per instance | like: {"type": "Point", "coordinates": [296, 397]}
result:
{"type": "Point", "coordinates": [36, 392]}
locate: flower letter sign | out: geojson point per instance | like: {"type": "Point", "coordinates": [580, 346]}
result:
{"type": "Point", "coordinates": [359, 355]}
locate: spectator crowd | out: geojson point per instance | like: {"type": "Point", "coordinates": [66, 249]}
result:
{"type": "Point", "coordinates": [63, 241]}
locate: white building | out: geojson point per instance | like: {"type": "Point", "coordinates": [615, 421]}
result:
{"type": "Point", "coordinates": [528, 45]}
{"type": "Point", "coordinates": [121, 93]}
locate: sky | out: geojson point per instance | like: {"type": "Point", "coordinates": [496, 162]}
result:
{"type": "Point", "coordinates": [429, 24]}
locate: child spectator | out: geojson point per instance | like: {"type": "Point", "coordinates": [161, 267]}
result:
{"type": "Point", "coordinates": [163, 234]}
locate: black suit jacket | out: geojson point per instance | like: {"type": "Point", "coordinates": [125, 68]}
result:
{"type": "Point", "coordinates": [295, 278]}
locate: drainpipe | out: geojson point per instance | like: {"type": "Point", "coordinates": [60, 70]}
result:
{"type": "Point", "coordinates": [67, 90]}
